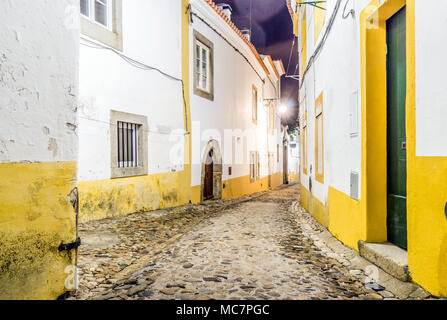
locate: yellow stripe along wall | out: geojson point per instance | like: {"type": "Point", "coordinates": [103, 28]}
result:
{"type": "Point", "coordinates": [35, 218]}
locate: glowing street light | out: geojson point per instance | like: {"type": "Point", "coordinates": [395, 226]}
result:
{"type": "Point", "coordinates": [283, 108]}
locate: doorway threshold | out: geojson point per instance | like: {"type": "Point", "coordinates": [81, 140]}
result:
{"type": "Point", "coordinates": [388, 257]}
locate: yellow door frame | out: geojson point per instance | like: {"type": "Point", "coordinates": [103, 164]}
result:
{"type": "Point", "coordinates": [374, 111]}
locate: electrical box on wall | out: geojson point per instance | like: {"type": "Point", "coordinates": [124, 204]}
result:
{"type": "Point", "coordinates": [355, 185]}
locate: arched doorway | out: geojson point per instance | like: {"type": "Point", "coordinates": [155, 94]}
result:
{"type": "Point", "coordinates": [211, 187]}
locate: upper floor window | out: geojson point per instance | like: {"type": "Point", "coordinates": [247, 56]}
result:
{"type": "Point", "coordinates": [254, 104]}
{"type": "Point", "coordinates": [319, 146]}
{"type": "Point", "coordinates": [203, 67]}
{"type": "Point", "coordinates": [272, 115]}
{"type": "Point", "coordinates": [99, 11]}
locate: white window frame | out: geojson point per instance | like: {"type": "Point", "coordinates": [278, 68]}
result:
{"type": "Point", "coordinates": [110, 35]}
{"type": "Point", "coordinates": [203, 47]}
{"type": "Point", "coordinates": [92, 14]}
{"type": "Point", "coordinates": [201, 42]}
{"type": "Point", "coordinates": [255, 104]}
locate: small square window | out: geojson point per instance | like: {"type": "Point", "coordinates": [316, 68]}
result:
{"type": "Point", "coordinates": [128, 144]}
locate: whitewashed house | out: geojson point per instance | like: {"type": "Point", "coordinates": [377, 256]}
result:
{"type": "Point", "coordinates": [236, 129]}
{"type": "Point", "coordinates": [163, 86]}
{"type": "Point", "coordinates": [132, 112]}
{"type": "Point", "coordinates": [373, 134]}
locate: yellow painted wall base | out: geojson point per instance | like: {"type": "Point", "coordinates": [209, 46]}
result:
{"type": "Point", "coordinates": [294, 177]}
{"type": "Point", "coordinates": [320, 212]}
{"type": "Point", "coordinates": [238, 187]}
{"type": "Point", "coordinates": [277, 179]}
{"type": "Point", "coordinates": [35, 218]}
{"type": "Point", "coordinates": [116, 197]}
{"type": "Point", "coordinates": [427, 223]}
{"type": "Point", "coordinates": [305, 198]}
{"type": "Point", "coordinates": [345, 219]}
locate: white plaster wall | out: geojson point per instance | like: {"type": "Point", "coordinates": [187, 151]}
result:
{"type": "Point", "coordinates": [152, 36]}
{"type": "Point", "coordinates": [232, 105]}
{"type": "Point", "coordinates": [336, 73]}
{"type": "Point", "coordinates": [431, 86]}
{"type": "Point", "coordinates": [38, 80]}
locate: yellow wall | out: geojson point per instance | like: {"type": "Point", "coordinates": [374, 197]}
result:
{"type": "Point", "coordinates": [305, 198]}
{"type": "Point", "coordinates": [345, 219]}
{"type": "Point", "coordinates": [116, 197]}
{"type": "Point", "coordinates": [35, 218]}
{"type": "Point", "coordinates": [426, 182]}
{"type": "Point", "coordinates": [427, 224]}
{"type": "Point", "coordinates": [186, 176]}
{"type": "Point", "coordinates": [426, 193]}
{"type": "Point", "coordinates": [294, 177]}
{"type": "Point", "coordinates": [277, 179]}
{"type": "Point", "coordinates": [241, 186]}
{"type": "Point", "coordinates": [319, 211]}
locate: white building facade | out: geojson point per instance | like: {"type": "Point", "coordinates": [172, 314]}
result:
{"type": "Point", "coordinates": [235, 92]}
{"type": "Point", "coordinates": [372, 126]}
{"type": "Point", "coordinates": [132, 113]}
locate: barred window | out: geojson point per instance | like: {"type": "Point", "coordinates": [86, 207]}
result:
{"type": "Point", "coordinates": [127, 144]}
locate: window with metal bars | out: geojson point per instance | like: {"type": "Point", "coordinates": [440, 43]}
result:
{"type": "Point", "coordinates": [127, 144]}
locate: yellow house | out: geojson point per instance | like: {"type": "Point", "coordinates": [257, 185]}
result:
{"type": "Point", "coordinates": [374, 153]}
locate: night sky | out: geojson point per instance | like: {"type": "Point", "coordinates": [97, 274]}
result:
{"type": "Point", "coordinates": [272, 33]}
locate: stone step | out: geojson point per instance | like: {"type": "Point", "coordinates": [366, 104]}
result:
{"type": "Point", "coordinates": [388, 257]}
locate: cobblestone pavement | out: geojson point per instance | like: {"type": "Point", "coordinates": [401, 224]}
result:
{"type": "Point", "coordinates": [259, 247]}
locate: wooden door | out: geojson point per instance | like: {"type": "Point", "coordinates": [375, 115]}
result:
{"type": "Point", "coordinates": [396, 130]}
{"type": "Point", "coordinates": [208, 183]}
{"type": "Point", "coordinates": [285, 165]}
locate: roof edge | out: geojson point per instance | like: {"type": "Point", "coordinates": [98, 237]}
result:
{"type": "Point", "coordinates": [239, 33]}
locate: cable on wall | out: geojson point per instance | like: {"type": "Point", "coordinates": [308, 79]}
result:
{"type": "Point", "coordinates": [227, 41]}
{"type": "Point", "coordinates": [136, 64]}
{"type": "Point", "coordinates": [351, 12]}
{"type": "Point", "coordinates": [323, 40]}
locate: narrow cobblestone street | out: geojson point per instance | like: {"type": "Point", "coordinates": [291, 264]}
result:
{"type": "Point", "coordinates": [259, 247]}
